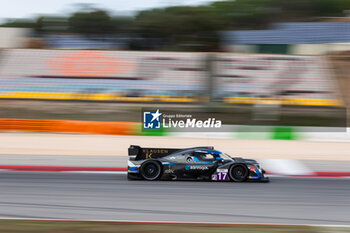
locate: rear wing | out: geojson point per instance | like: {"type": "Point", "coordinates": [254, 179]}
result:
{"type": "Point", "coordinates": [141, 153]}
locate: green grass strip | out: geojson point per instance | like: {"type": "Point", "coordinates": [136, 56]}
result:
{"type": "Point", "coordinates": [30, 226]}
{"type": "Point", "coordinates": [283, 133]}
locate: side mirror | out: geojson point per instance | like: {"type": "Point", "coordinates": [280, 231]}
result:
{"type": "Point", "coordinates": [219, 159]}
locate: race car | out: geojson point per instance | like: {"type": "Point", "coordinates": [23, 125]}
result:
{"type": "Point", "coordinates": [197, 163]}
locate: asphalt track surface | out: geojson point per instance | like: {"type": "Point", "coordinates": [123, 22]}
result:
{"type": "Point", "coordinates": [105, 196]}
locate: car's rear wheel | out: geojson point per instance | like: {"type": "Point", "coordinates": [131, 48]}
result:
{"type": "Point", "coordinates": [151, 170]}
{"type": "Point", "coordinates": [238, 173]}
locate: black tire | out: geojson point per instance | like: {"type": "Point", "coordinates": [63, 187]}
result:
{"type": "Point", "coordinates": [238, 173]}
{"type": "Point", "coordinates": [151, 170]}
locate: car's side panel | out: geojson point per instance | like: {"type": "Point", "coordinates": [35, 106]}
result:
{"type": "Point", "coordinates": [185, 166]}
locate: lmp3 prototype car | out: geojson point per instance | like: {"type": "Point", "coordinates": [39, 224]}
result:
{"type": "Point", "coordinates": [197, 163]}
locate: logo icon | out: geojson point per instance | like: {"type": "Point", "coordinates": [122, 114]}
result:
{"type": "Point", "coordinates": [187, 167]}
{"type": "Point", "coordinates": [151, 120]}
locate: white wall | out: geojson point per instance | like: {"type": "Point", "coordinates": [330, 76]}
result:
{"type": "Point", "coordinates": [13, 37]}
{"type": "Point", "coordinates": [308, 49]}
{"type": "Point", "coordinates": [338, 47]}
{"type": "Point", "coordinates": [318, 49]}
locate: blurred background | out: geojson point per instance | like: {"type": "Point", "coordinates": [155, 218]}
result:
{"type": "Point", "coordinates": [270, 62]}
{"type": "Point", "coordinates": [75, 76]}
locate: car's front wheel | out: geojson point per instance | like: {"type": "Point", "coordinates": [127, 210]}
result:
{"type": "Point", "coordinates": [238, 173]}
{"type": "Point", "coordinates": [151, 170]}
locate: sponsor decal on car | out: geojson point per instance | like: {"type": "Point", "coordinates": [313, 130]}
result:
{"type": "Point", "coordinates": [195, 167]}
{"type": "Point", "coordinates": [169, 171]}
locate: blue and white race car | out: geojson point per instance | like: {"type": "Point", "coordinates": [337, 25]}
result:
{"type": "Point", "coordinates": [197, 163]}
